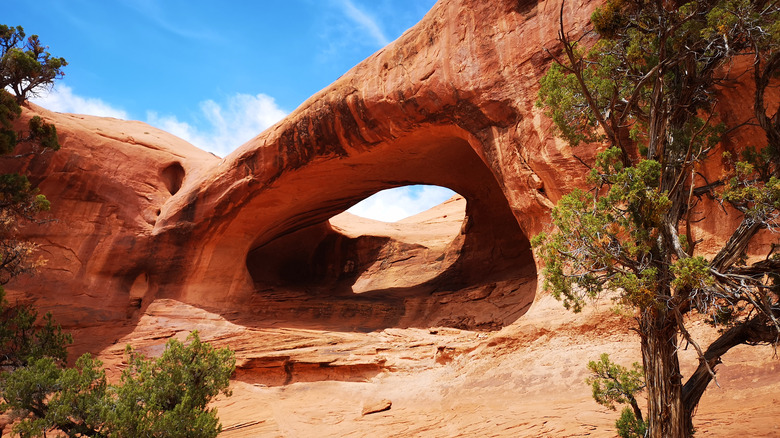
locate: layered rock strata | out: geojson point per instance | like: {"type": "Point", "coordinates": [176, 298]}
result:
{"type": "Point", "coordinates": [150, 238]}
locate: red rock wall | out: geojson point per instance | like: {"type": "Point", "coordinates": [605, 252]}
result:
{"type": "Point", "coordinates": [108, 185]}
{"type": "Point", "coordinates": [449, 103]}
{"type": "Point", "coordinates": [142, 215]}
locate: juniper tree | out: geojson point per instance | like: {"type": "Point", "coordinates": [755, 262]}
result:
{"type": "Point", "coordinates": [162, 397]}
{"type": "Point", "coordinates": [25, 68]}
{"type": "Point", "coordinates": [646, 91]}
{"type": "Point", "coordinates": [614, 384]}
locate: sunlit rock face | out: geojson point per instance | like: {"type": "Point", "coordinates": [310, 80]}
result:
{"type": "Point", "coordinates": [450, 103]}
{"type": "Point", "coordinates": [150, 238]}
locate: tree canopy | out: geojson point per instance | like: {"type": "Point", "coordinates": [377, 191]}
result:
{"type": "Point", "coordinates": [646, 92]}
{"type": "Point", "coordinates": [163, 397]}
{"type": "Point", "coordinates": [26, 66]}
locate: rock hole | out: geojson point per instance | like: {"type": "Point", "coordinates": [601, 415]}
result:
{"type": "Point", "coordinates": [310, 268]}
{"type": "Point", "coordinates": [138, 291]}
{"type": "Point", "coordinates": [354, 254]}
{"type": "Point", "coordinates": [172, 176]}
{"type": "Point", "coordinates": [393, 205]}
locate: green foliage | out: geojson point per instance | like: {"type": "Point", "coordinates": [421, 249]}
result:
{"type": "Point", "coordinates": [25, 64]}
{"type": "Point", "coordinates": [691, 273]}
{"type": "Point", "coordinates": [613, 383]}
{"type": "Point", "coordinates": [22, 341]}
{"type": "Point", "coordinates": [604, 242]}
{"type": "Point", "coordinates": [562, 103]}
{"type": "Point", "coordinates": [26, 391]}
{"type": "Point", "coordinates": [44, 134]}
{"type": "Point", "coordinates": [40, 134]}
{"type": "Point", "coordinates": [19, 198]}
{"type": "Point", "coordinates": [45, 396]}
{"type": "Point", "coordinates": [163, 397]}
{"type": "Point", "coordinates": [79, 403]}
{"type": "Point", "coordinates": [608, 20]}
{"type": "Point", "coordinates": [628, 426]}
{"type": "Point", "coordinates": [9, 110]}
{"type": "Point", "coordinates": [34, 355]}
{"type": "Point", "coordinates": [168, 396]}
{"type": "Point", "coordinates": [743, 20]}
{"type": "Point", "coordinates": [649, 79]}
{"type": "Point", "coordinates": [646, 92]}
{"type": "Point", "coordinates": [25, 67]}
{"type": "Point", "coordinates": [754, 186]}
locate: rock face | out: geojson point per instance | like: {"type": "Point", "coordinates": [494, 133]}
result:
{"type": "Point", "coordinates": [108, 185]}
{"type": "Point", "coordinates": [449, 103]}
{"type": "Point", "coordinates": [151, 238]}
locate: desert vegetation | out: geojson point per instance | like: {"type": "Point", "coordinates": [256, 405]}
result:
{"type": "Point", "coordinates": [646, 90]}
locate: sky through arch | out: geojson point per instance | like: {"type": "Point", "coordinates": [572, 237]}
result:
{"type": "Point", "coordinates": [392, 205]}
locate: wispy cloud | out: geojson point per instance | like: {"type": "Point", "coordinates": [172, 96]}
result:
{"type": "Point", "coordinates": [222, 126]}
{"type": "Point", "coordinates": [173, 22]}
{"type": "Point", "coordinates": [63, 99]}
{"type": "Point", "coordinates": [395, 204]}
{"type": "Point", "coordinates": [226, 125]}
{"type": "Point", "coordinates": [365, 21]}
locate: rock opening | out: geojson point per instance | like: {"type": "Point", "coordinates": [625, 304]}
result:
{"type": "Point", "coordinates": [173, 176]}
{"type": "Point", "coordinates": [323, 268]}
{"type": "Point", "coordinates": [397, 204]}
{"type": "Point", "coordinates": [352, 254]}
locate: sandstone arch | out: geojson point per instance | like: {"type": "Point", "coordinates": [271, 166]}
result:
{"type": "Point", "coordinates": [431, 98]}
{"type": "Point", "coordinates": [293, 210]}
{"type": "Point", "coordinates": [462, 81]}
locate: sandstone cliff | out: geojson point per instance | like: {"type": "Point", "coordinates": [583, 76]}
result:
{"type": "Point", "coordinates": [440, 314]}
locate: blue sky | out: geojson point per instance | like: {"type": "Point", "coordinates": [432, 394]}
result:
{"type": "Point", "coordinates": [213, 73]}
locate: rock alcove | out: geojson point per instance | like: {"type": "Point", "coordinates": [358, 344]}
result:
{"type": "Point", "coordinates": [474, 271]}
{"type": "Point", "coordinates": [350, 254]}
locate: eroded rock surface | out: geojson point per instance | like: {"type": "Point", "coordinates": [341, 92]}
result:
{"type": "Point", "coordinates": [151, 238]}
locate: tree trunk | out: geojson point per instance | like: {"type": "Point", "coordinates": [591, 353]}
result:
{"type": "Point", "coordinates": [756, 330]}
{"type": "Point", "coordinates": [736, 245]}
{"type": "Point", "coordinates": [665, 414]}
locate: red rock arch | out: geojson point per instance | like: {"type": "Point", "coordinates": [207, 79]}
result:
{"type": "Point", "coordinates": [467, 74]}
{"type": "Point", "coordinates": [493, 249]}
{"type": "Point", "coordinates": [433, 107]}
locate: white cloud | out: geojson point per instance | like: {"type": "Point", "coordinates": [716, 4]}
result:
{"type": "Point", "coordinates": [227, 125]}
{"type": "Point", "coordinates": [399, 203]}
{"type": "Point", "coordinates": [62, 99]}
{"type": "Point", "coordinates": [365, 21]}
